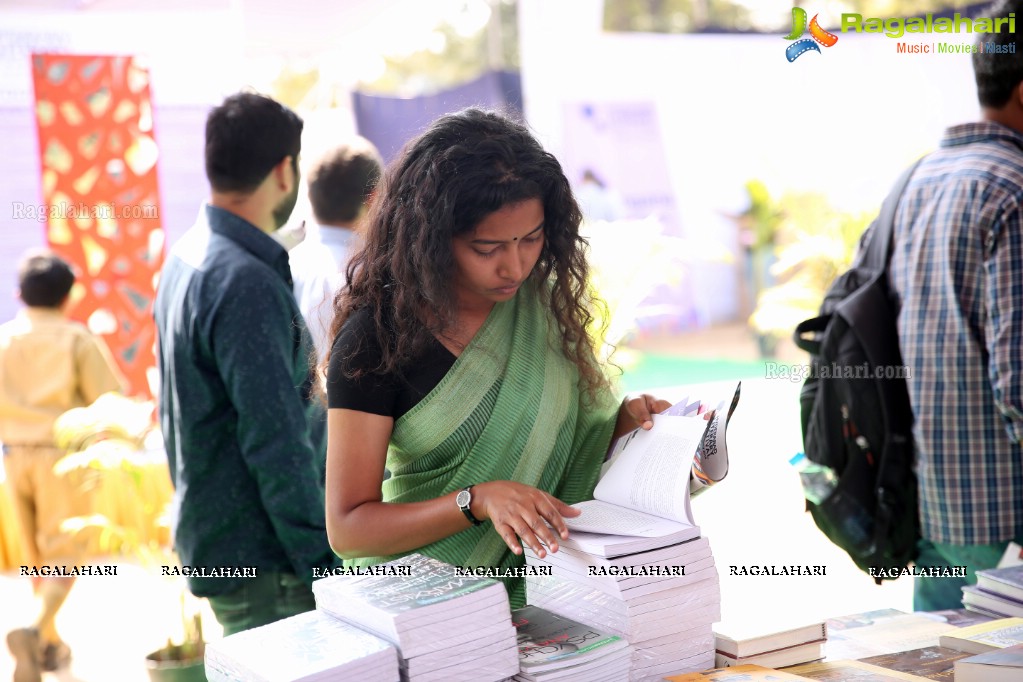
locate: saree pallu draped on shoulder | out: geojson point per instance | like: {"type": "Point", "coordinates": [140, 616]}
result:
{"type": "Point", "coordinates": [510, 408]}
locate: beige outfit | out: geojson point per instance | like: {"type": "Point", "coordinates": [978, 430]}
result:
{"type": "Point", "coordinates": [48, 365]}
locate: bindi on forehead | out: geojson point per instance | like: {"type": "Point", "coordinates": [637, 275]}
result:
{"type": "Point", "coordinates": [511, 239]}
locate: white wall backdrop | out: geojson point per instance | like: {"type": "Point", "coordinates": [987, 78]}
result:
{"type": "Point", "coordinates": [731, 108]}
{"type": "Point", "coordinates": [728, 107]}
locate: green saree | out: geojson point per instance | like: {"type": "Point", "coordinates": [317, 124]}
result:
{"type": "Point", "coordinates": [510, 408]}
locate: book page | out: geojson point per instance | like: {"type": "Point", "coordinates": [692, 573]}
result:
{"type": "Point", "coordinates": [649, 470]}
{"type": "Point", "coordinates": [710, 463]}
{"type": "Point", "coordinates": [600, 517]}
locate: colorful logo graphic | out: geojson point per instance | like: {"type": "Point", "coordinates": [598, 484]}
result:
{"type": "Point", "coordinates": [818, 35]}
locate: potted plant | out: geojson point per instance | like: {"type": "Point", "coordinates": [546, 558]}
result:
{"type": "Point", "coordinates": [184, 661]}
{"type": "Point", "coordinates": [111, 452]}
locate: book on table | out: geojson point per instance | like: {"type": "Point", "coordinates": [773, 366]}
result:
{"type": "Point", "coordinates": [884, 631]}
{"type": "Point", "coordinates": [742, 673]}
{"type": "Point", "coordinates": [554, 647]}
{"type": "Point", "coordinates": [744, 638]}
{"type": "Point", "coordinates": [1000, 665]}
{"type": "Point", "coordinates": [976, 639]}
{"type": "Point", "coordinates": [851, 671]}
{"type": "Point", "coordinates": [308, 647]}
{"type": "Point", "coordinates": [642, 498]}
{"type": "Point", "coordinates": [933, 662]}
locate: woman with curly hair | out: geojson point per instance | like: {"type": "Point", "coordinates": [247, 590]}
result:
{"type": "Point", "coordinates": [462, 362]}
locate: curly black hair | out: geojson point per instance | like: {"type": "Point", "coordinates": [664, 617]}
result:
{"type": "Point", "coordinates": [465, 166]}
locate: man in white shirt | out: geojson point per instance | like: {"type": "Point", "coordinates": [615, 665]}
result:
{"type": "Point", "coordinates": [341, 184]}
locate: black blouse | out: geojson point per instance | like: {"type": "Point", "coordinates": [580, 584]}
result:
{"type": "Point", "coordinates": [387, 395]}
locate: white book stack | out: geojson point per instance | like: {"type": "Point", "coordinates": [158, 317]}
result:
{"type": "Point", "coordinates": [308, 647]}
{"type": "Point", "coordinates": [447, 627]}
{"type": "Point", "coordinates": [663, 601]}
{"type": "Point", "coordinates": [634, 563]}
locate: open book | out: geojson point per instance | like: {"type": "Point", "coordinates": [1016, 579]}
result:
{"type": "Point", "coordinates": [646, 483]}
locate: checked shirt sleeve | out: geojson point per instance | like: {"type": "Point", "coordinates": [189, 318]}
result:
{"type": "Point", "coordinates": [1004, 329]}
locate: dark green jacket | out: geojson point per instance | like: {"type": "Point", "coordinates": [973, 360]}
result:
{"type": "Point", "coordinates": [245, 435]}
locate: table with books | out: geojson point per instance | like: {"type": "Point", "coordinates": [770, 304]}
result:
{"type": "Point", "coordinates": [610, 606]}
{"type": "Point", "coordinates": [601, 609]}
{"type": "Point", "coordinates": [417, 619]}
{"type": "Point", "coordinates": [880, 646]}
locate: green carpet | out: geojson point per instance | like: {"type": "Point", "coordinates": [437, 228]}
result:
{"type": "Point", "coordinates": [650, 370]}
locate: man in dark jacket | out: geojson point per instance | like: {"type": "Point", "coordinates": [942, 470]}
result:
{"type": "Point", "coordinates": [244, 434]}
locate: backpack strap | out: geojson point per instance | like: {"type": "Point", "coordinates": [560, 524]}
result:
{"type": "Point", "coordinates": [878, 250]}
{"type": "Point", "coordinates": [809, 332]}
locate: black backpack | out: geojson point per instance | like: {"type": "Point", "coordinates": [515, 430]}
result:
{"type": "Point", "coordinates": [856, 415]}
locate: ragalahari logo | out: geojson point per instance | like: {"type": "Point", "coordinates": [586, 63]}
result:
{"type": "Point", "coordinates": [817, 35]}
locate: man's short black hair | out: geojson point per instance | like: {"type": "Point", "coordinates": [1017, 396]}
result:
{"type": "Point", "coordinates": [343, 179]}
{"type": "Point", "coordinates": [45, 279]}
{"type": "Point", "coordinates": [998, 74]}
{"type": "Point", "coordinates": [246, 137]}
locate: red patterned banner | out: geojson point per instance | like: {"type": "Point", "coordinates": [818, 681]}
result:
{"type": "Point", "coordinates": [98, 159]}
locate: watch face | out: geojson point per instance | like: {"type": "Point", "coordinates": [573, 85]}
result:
{"type": "Point", "coordinates": [463, 498]}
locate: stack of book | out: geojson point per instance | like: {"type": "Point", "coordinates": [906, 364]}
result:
{"type": "Point", "coordinates": [998, 592]}
{"type": "Point", "coordinates": [634, 563]}
{"type": "Point", "coordinates": [555, 648]}
{"type": "Point", "coordinates": [662, 601]}
{"type": "Point", "coordinates": [448, 626]}
{"type": "Point", "coordinates": [744, 644]}
{"type": "Point", "coordinates": [304, 648]}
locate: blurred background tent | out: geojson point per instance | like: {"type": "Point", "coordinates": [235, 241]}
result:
{"type": "Point", "coordinates": [675, 104]}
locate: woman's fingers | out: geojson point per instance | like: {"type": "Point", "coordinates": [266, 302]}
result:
{"type": "Point", "coordinates": [644, 407]}
{"type": "Point", "coordinates": [531, 534]}
{"type": "Point", "coordinates": [564, 509]}
{"type": "Point", "coordinates": [643, 413]}
{"type": "Point", "coordinates": [525, 515]}
{"type": "Point", "coordinates": [510, 538]}
{"type": "Point", "coordinates": [560, 510]}
{"type": "Point", "coordinates": [538, 528]}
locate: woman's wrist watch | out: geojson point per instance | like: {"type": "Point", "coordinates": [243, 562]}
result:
{"type": "Point", "coordinates": [463, 500]}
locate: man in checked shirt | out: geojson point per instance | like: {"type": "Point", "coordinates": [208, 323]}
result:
{"type": "Point", "coordinates": [957, 269]}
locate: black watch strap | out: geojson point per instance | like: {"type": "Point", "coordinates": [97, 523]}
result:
{"type": "Point", "coordinates": [465, 507]}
